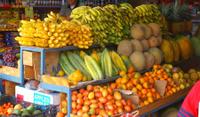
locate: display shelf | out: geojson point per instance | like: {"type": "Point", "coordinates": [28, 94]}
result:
{"type": "Point", "coordinates": [67, 48]}
{"type": "Point", "coordinates": [10, 78]}
{"type": "Point", "coordinates": [40, 6]}
{"type": "Point", "coordinates": [163, 103]}
{"type": "Point", "coordinates": [6, 30]}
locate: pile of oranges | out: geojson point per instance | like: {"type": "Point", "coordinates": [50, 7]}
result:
{"type": "Point", "coordinates": [99, 100]}
{"type": "Point", "coordinates": [4, 109]}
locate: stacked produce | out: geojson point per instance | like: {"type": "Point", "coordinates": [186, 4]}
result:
{"type": "Point", "coordinates": [95, 66]}
{"type": "Point", "coordinates": [195, 44]}
{"type": "Point", "coordinates": [99, 100]}
{"type": "Point", "coordinates": [150, 13]}
{"type": "Point", "coordinates": [54, 32]}
{"type": "Point", "coordinates": [10, 110]}
{"type": "Point", "coordinates": [106, 27]}
{"type": "Point", "coordinates": [142, 49]}
{"type": "Point", "coordinates": [177, 49]}
{"type": "Point", "coordinates": [145, 85]}
{"type": "Point", "coordinates": [10, 57]}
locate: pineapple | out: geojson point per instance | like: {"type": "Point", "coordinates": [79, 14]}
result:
{"type": "Point", "coordinates": [176, 11]}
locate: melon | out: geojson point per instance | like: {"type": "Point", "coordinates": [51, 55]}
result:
{"type": "Point", "coordinates": [137, 45]}
{"type": "Point", "coordinates": [138, 60]}
{"type": "Point", "coordinates": [168, 51]}
{"type": "Point", "coordinates": [157, 53]}
{"type": "Point", "coordinates": [125, 47]}
{"type": "Point", "coordinates": [137, 32]}
{"type": "Point", "coordinates": [196, 45]}
{"type": "Point", "coordinates": [147, 31]}
{"type": "Point", "coordinates": [185, 47]}
{"type": "Point", "coordinates": [153, 42]}
{"type": "Point", "coordinates": [155, 28]}
{"type": "Point", "coordinates": [150, 60]}
{"type": "Point", "coordinates": [159, 40]}
{"type": "Point", "coordinates": [145, 44]}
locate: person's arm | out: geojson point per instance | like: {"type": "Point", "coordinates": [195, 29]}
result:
{"type": "Point", "coordinates": [189, 107]}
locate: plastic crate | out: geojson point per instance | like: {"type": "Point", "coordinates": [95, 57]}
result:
{"type": "Point", "coordinates": [47, 111]}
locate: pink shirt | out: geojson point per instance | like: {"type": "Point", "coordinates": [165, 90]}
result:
{"type": "Point", "coordinates": [190, 105]}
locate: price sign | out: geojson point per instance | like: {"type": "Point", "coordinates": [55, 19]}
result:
{"type": "Point", "coordinates": [41, 99]}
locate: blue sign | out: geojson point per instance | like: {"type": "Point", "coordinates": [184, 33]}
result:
{"type": "Point", "coordinates": [41, 99]}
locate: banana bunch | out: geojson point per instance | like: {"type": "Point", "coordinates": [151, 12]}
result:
{"type": "Point", "coordinates": [147, 13]}
{"type": "Point", "coordinates": [79, 35]}
{"type": "Point", "coordinates": [93, 17]}
{"type": "Point", "coordinates": [115, 22]}
{"type": "Point", "coordinates": [54, 32]}
{"type": "Point", "coordinates": [129, 17]}
{"type": "Point", "coordinates": [107, 22]}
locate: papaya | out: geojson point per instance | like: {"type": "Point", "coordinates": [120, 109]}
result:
{"type": "Point", "coordinates": [167, 49]}
{"type": "Point", "coordinates": [176, 49]}
{"type": "Point", "coordinates": [185, 47]}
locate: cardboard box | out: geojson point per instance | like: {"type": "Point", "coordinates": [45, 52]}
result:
{"type": "Point", "coordinates": [32, 96]}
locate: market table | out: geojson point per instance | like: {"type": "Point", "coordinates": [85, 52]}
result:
{"type": "Point", "coordinates": [163, 103]}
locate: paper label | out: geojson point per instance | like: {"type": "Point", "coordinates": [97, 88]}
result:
{"type": "Point", "coordinates": [41, 99]}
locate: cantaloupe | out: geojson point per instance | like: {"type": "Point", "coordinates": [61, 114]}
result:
{"type": "Point", "coordinates": [147, 31]}
{"type": "Point", "coordinates": [155, 28]}
{"type": "Point", "coordinates": [157, 53]}
{"type": "Point", "coordinates": [125, 47]}
{"type": "Point", "coordinates": [150, 60]}
{"type": "Point", "coordinates": [153, 42]}
{"type": "Point", "coordinates": [145, 44]}
{"type": "Point", "coordinates": [159, 37]}
{"type": "Point", "coordinates": [137, 32]}
{"type": "Point", "coordinates": [138, 60]}
{"type": "Point", "coordinates": [137, 45]}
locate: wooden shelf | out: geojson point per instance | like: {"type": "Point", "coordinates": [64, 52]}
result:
{"type": "Point", "coordinates": [6, 30]}
{"type": "Point", "coordinates": [164, 102]}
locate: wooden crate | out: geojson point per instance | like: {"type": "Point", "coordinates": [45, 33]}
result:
{"type": "Point", "coordinates": [33, 59]}
{"type": "Point", "coordinates": [10, 88]}
{"type": "Point", "coordinates": [28, 71]}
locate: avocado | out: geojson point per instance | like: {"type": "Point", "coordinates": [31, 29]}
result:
{"type": "Point", "coordinates": [16, 112]}
{"type": "Point", "coordinates": [38, 113]}
{"type": "Point", "coordinates": [31, 109]}
{"type": "Point", "coordinates": [26, 113]}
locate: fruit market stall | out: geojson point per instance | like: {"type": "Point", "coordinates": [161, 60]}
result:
{"type": "Point", "coordinates": [145, 70]}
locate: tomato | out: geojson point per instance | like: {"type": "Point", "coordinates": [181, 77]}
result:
{"type": "Point", "coordinates": [118, 103]}
{"type": "Point", "coordinates": [74, 111]}
{"type": "Point", "coordinates": [74, 97]}
{"type": "Point", "coordinates": [82, 91]}
{"type": "Point", "coordinates": [127, 108]}
{"type": "Point", "coordinates": [119, 110]}
{"type": "Point", "coordinates": [85, 108]}
{"type": "Point", "coordinates": [74, 105]}
{"type": "Point", "coordinates": [129, 102]}
{"type": "Point", "coordinates": [80, 95]}
{"type": "Point", "coordinates": [110, 107]}
{"type": "Point", "coordinates": [100, 105]}
{"type": "Point", "coordinates": [123, 102]}
{"type": "Point", "coordinates": [103, 100]}
{"type": "Point", "coordinates": [80, 101]}
{"type": "Point", "coordinates": [78, 107]}
{"type": "Point", "coordinates": [74, 93]}
{"type": "Point", "coordinates": [87, 102]}
{"type": "Point", "coordinates": [90, 88]}
{"type": "Point", "coordinates": [98, 94]}
{"type": "Point", "coordinates": [80, 113]}
{"type": "Point", "coordinates": [109, 97]}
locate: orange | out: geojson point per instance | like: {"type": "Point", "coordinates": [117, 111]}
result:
{"type": "Point", "coordinates": [124, 80]}
{"type": "Point", "coordinates": [122, 73]}
{"type": "Point", "coordinates": [60, 114]}
{"type": "Point", "coordinates": [139, 87]}
{"type": "Point", "coordinates": [117, 95]}
{"type": "Point", "coordinates": [113, 86]}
